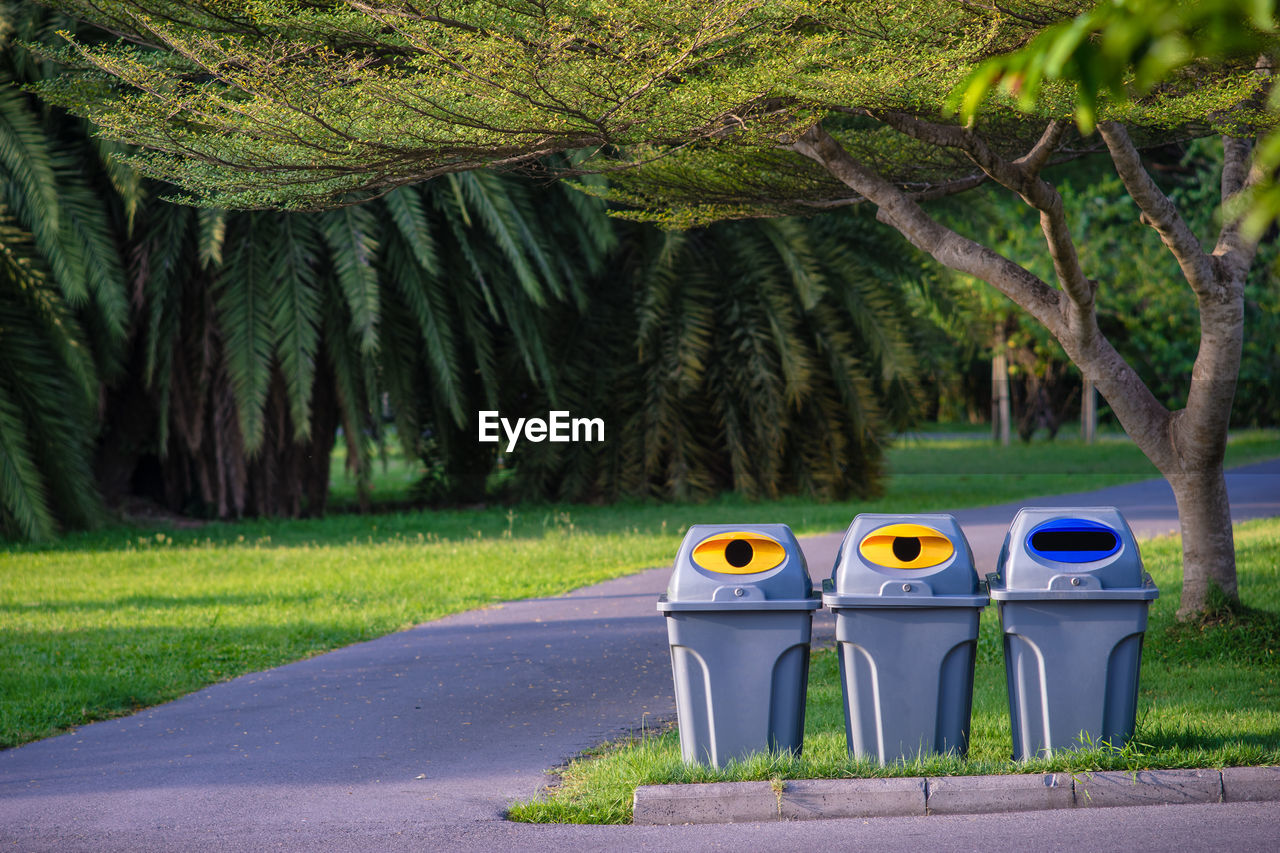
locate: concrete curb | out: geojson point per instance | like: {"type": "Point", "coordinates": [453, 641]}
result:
{"type": "Point", "coordinates": [818, 799]}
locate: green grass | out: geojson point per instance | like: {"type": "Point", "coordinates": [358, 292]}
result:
{"type": "Point", "coordinates": [1209, 698]}
{"type": "Point", "coordinates": [100, 624]}
{"type": "Point", "coordinates": [946, 472]}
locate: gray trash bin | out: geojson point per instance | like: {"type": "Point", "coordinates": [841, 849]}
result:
{"type": "Point", "coordinates": [739, 614]}
{"type": "Point", "coordinates": [907, 601]}
{"type": "Point", "coordinates": [1073, 599]}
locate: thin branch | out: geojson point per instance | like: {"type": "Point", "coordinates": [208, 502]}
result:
{"type": "Point", "coordinates": [1157, 210]}
{"type": "Point", "coordinates": [1034, 161]}
{"type": "Point", "coordinates": [1072, 323]}
{"type": "Point", "coordinates": [897, 209]}
{"type": "Point", "coordinates": [1022, 176]}
{"type": "Point", "coordinates": [1241, 173]}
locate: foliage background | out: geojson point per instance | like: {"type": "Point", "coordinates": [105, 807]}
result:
{"type": "Point", "coordinates": [208, 360]}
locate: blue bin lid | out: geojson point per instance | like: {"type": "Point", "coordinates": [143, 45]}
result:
{"type": "Point", "coordinates": [739, 566]}
{"type": "Point", "coordinates": [1070, 552]}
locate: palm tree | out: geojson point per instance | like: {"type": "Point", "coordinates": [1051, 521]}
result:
{"type": "Point", "coordinates": [767, 357]}
{"type": "Point", "coordinates": [263, 333]}
{"type": "Point", "coordinates": [63, 299]}
{"type": "Point", "coordinates": [216, 356]}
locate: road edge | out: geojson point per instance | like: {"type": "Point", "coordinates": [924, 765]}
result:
{"type": "Point", "coordinates": [824, 799]}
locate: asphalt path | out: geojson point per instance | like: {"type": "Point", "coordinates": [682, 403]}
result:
{"type": "Point", "coordinates": [419, 740]}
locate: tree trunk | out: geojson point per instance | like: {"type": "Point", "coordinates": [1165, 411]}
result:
{"type": "Point", "coordinates": [1187, 446]}
{"type": "Point", "coordinates": [1208, 548]}
{"type": "Point", "coordinates": [1002, 416]}
{"type": "Point", "coordinates": [1088, 412]}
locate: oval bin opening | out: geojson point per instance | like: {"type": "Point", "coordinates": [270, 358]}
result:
{"type": "Point", "coordinates": [1073, 540]}
{"type": "Point", "coordinates": [906, 548]}
{"type": "Point", "coordinates": [738, 553]}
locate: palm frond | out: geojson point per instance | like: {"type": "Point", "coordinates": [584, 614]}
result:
{"type": "Point", "coordinates": [24, 271]}
{"type": "Point", "coordinates": [410, 218]}
{"type": "Point", "coordinates": [47, 412]}
{"type": "Point", "coordinates": [212, 236]}
{"type": "Point", "coordinates": [506, 225]}
{"type": "Point", "coordinates": [86, 231]}
{"type": "Point", "coordinates": [351, 379]}
{"type": "Point", "coordinates": [424, 299]}
{"type": "Point", "coordinates": [124, 179]}
{"type": "Point", "coordinates": [295, 313]}
{"type": "Point", "coordinates": [30, 186]}
{"type": "Point", "coordinates": [24, 508]}
{"type": "Point", "coordinates": [244, 299]}
{"type": "Point", "coordinates": [349, 234]}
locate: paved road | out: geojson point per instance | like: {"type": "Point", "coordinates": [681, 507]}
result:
{"type": "Point", "coordinates": [418, 740]}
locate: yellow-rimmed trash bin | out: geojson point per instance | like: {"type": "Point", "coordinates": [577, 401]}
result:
{"type": "Point", "coordinates": [907, 601]}
{"type": "Point", "coordinates": [739, 613]}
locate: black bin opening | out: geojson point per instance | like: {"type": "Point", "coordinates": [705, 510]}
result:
{"type": "Point", "coordinates": [906, 548]}
{"type": "Point", "coordinates": [1073, 540]}
{"type": "Point", "coordinates": [738, 553]}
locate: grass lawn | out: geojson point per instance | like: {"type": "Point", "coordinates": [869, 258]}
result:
{"type": "Point", "coordinates": [1210, 697]}
{"type": "Point", "coordinates": [101, 624]}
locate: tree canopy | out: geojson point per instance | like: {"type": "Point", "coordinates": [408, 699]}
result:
{"type": "Point", "coordinates": [297, 104]}
{"type": "Point", "coordinates": [207, 359]}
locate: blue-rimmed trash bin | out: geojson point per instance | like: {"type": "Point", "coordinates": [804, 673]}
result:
{"type": "Point", "coordinates": [739, 613]}
{"type": "Point", "coordinates": [907, 601]}
{"type": "Point", "coordinates": [1073, 599]}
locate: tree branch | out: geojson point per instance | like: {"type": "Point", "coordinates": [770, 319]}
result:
{"type": "Point", "coordinates": [1240, 174]}
{"type": "Point", "coordinates": [1034, 161]}
{"type": "Point", "coordinates": [1023, 177]}
{"type": "Point", "coordinates": [1142, 415]}
{"type": "Point", "coordinates": [1157, 210]}
{"type": "Point", "coordinates": [950, 249]}
{"type": "Point", "coordinates": [1198, 432]}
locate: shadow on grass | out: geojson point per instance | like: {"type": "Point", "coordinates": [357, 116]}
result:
{"type": "Point", "coordinates": [159, 602]}
{"type": "Point", "coordinates": [1229, 632]}
{"type": "Point", "coordinates": [1192, 740]}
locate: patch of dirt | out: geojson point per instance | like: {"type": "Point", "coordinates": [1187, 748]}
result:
{"type": "Point", "coordinates": [137, 510]}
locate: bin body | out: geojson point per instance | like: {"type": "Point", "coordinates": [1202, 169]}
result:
{"type": "Point", "coordinates": [740, 681]}
{"type": "Point", "coordinates": [740, 638]}
{"type": "Point", "coordinates": [906, 635]}
{"type": "Point", "coordinates": [1073, 623]}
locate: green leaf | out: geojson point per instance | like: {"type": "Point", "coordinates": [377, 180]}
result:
{"type": "Point", "coordinates": [295, 314]}
{"type": "Point", "coordinates": [348, 232]}
{"type": "Point", "coordinates": [244, 297]}
{"type": "Point", "coordinates": [410, 218]}
{"type": "Point", "coordinates": [23, 502]}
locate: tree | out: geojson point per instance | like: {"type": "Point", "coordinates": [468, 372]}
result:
{"type": "Point", "coordinates": [765, 357]}
{"type": "Point", "coordinates": [742, 108]}
{"type": "Point", "coordinates": [1127, 48]}
{"type": "Point", "coordinates": [1154, 326]}
{"type": "Point", "coordinates": [260, 334]}
{"type": "Point", "coordinates": [207, 359]}
{"type": "Point", "coordinates": [63, 299]}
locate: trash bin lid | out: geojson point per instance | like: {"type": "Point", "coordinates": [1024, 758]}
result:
{"type": "Point", "coordinates": [737, 566]}
{"type": "Point", "coordinates": [904, 561]}
{"type": "Point", "coordinates": [1073, 552]}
